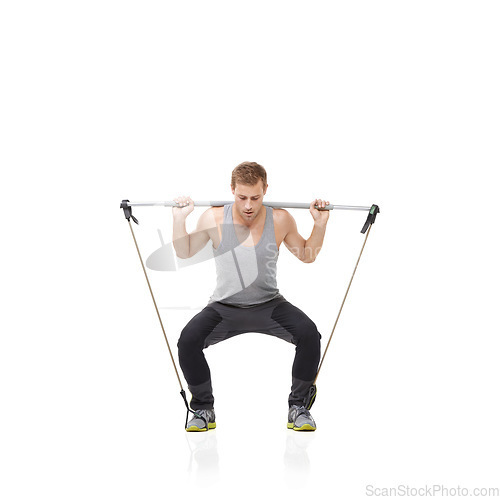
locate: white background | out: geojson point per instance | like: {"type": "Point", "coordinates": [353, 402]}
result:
{"type": "Point", "coordinates": [387, 102]}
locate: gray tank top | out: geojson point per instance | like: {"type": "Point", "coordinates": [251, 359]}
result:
{"type": "Point", "coordinates": [245, 275]}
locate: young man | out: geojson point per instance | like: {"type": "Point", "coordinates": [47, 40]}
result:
{"type": "Point", "coordinates": [246, 237]}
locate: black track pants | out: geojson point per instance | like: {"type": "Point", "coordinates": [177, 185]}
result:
{"type": "Point", "coordinates": [217, 322]}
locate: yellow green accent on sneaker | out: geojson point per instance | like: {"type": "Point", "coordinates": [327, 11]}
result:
{"type": "Point", "coordinates": [194, 428]}
{"type": "Point", "coordinates": [305, 427]}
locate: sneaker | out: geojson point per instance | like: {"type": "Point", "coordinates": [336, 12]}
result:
{"type": "Point", "coordinates": [300, 419]}
{"type": "Point", "coordinates": [202, 420]}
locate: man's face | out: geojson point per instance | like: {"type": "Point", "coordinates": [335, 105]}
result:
{"type": "Point", "coordinates": [248, 199]}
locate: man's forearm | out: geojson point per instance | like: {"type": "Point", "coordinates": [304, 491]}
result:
{"type": "Point", "coordinates": [313, 245]}
{"type": "Point", "coordinates": [180, 239]}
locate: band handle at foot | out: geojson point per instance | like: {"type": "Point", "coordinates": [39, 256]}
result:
{"type": "Point", "coordinates": [311, 397]}
{"type": "Point", "coordinates": [183, 394]}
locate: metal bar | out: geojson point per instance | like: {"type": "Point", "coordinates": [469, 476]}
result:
{"type": "Point", "coordinates": [273, 204]}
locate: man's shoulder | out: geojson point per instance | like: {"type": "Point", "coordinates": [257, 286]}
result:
{"type": "Point", "coordinates": [216, 210]}
{"type": "Point", "coordinates": [281, 215]}
{"type": "Point", "coordinates": [218, 213]}
{"type": "Point", "coordinates": [211, 215]}
{"type": "Point", "coordinates": [280, 212]}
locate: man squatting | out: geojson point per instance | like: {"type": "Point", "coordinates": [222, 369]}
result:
{"type": "Point", "coordinates": [246, 237]}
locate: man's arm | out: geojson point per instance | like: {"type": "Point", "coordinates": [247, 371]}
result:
{"type": "Point", "coordinates": [307, 250]}
{"type": "Point", "coordinates": [186, 245]}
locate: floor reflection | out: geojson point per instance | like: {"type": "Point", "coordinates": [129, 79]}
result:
{"type": "Point", "coordinates": [203, 464]}
{"type": "Point", "coordinates": [296, 458]}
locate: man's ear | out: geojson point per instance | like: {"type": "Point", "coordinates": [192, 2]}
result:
{"type": "Point", "coordinates": [265, 189]}
{"type": "Point", "coordinates": [232, 189]}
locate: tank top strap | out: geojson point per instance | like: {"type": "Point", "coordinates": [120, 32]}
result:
{"type": "Point", "coordinates": [228, 238]}
{"type": "Point", "coordinates": [268, 234]}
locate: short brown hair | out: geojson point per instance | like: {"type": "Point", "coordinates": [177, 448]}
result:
{"type": "Point", "coordinates": [248, 173]}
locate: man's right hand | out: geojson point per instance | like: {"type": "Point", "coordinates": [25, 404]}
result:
{"type": "Point", "coordinates": [186, 206]}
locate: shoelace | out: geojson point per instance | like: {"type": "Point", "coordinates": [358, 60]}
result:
{"type": "Point", "coordinates": [300, 410]}
{"type": "Point", "coordinates": [203, 414]}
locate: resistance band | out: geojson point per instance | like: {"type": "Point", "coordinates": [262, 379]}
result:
{"type": "Point", "coordinates": [365, 229]}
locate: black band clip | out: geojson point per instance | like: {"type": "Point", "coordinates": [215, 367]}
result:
{"type": "Point", "coordinates": [311, 397]}
{"type": "Point", "coordinates": [374, 210]}
{"type": "Point", "coordinates": [127, 211]}
{"type": "Point", "coordinates": [197, 415]}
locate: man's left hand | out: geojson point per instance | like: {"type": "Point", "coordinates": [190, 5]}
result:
{"type": "Point", "coordinates": [319, 216]}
